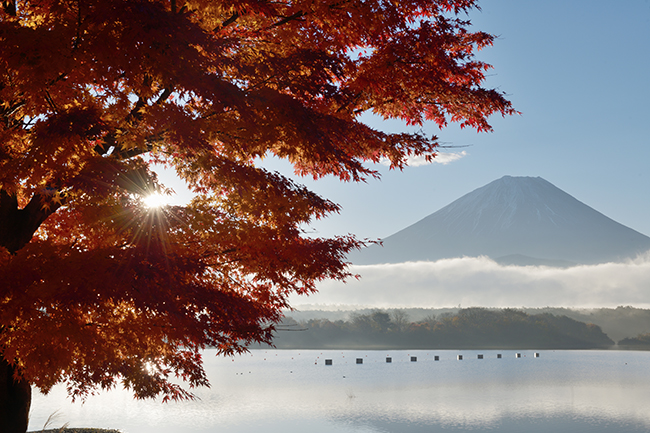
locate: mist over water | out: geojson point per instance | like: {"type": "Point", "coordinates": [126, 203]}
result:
{"type": "Point", "coordinates": [481, 282]}
{"type": "Point", "coordinates": [293, 391]}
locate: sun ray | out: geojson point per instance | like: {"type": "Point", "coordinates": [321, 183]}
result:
{"type": "Point", "coordinates": [156, 200]}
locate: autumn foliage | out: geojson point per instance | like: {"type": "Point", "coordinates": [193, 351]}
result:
{"type": "Point", "coordinates": [98, 289]}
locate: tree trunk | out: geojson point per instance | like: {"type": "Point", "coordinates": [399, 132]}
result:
{"type": "Point", "coordinates": [15, 399]}
{"type": "Point", "coordinates": [17, 227]}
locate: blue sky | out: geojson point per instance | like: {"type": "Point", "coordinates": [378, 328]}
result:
{"type": "Point", "coordinates": [579, 72]}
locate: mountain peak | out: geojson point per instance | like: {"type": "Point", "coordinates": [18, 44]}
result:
{"type": "Point", "coordinates": [512, 216]}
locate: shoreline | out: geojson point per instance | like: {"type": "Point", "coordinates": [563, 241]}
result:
{"type": "Point", "coordinates": [76, 430]}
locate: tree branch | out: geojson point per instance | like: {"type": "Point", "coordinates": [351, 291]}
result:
{"type": "Point", "coordinates": [77, 38]}
{"type": "Point", "coordinates": [17, 226]}
{"type": "Point", "coordinates": [9, 6]}
{"type": "Point", "coordinates": [109, 143]}
{"type": "Point", "coordinates": [229, 21]}
{"type": "Point", "coordinates": [289, 18]}
{"type": "Point", "coordinates": [164, 95]}
{"type": "Point", "coordinates": [50, 101]}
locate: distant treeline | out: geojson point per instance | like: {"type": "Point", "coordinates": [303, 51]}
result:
{"type": "Point", "coordinates": [641, 341]}
{"type": "Point", "coordinates": [618, 323]}
{"type": "Point", "coordinates": [467, 328]}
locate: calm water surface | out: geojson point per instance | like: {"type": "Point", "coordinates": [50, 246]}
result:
{"type": "Point", "coordinates": [293, 391]}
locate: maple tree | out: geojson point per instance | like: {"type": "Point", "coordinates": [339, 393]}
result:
{"type": "Point", "coordinates": [96, 288]}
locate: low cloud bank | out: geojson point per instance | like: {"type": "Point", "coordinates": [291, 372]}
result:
{"type": "Point", "coordinates": [483, 282]}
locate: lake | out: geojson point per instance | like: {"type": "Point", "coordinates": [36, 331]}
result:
{"type": "Point", "coordinates": [293, 391]}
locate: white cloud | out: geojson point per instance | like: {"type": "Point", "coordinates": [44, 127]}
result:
{"type": "Point", "coordinates": [441, 158]}
{"type": "Point", "coordinates": [446, 158]}
{"type": "Point", "coordinates": [482, 282]}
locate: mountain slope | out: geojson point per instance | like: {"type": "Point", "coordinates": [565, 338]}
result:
{"type": "Point", "coordinates": [524, 219]}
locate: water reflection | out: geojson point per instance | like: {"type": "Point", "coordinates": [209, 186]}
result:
{"type": "Point", "coordinates": [293, 391]}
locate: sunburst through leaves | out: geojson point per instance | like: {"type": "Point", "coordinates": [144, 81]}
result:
{"type": "Point", "coordinates": [156, 200]}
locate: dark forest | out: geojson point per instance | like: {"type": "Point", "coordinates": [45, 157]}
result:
{"type": "Point", "coordinates": [469, 328]}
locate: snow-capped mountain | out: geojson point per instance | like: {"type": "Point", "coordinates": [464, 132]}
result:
{"type": "Point", "coordinates": [514, 220]}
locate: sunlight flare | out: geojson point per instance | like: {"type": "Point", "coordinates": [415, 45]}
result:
{"type": "Point", "coordinates": [156, 200]}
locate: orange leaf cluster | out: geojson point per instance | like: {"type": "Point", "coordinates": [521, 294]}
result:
{"type": "Point", "coordinates": [95, 287]}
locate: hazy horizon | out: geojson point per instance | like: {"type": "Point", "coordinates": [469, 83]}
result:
{"type": "Point", "coordinates": [481, 282]}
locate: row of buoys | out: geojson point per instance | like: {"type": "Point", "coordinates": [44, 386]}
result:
{"type": "Point", "coordinates": [435, 358]}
